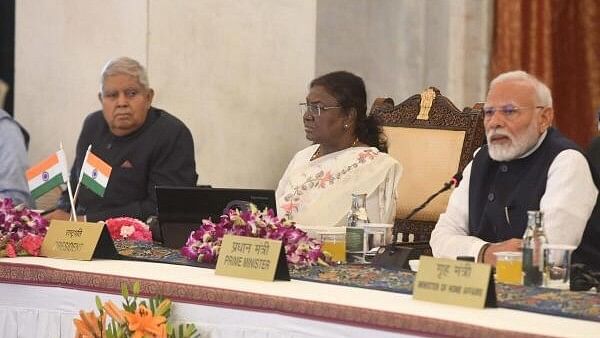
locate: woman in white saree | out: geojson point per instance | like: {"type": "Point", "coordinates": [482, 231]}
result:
{"type": "Point", "coordinates": [348, 156]}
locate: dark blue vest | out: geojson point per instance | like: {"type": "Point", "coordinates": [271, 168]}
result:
{"type": "Point", "coordinates": [500, 193]}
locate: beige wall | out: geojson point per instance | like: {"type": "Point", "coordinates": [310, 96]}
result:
{"type": "Point", "coordinates": [234, 71]}
{"type": "Point", "coordinates": [401, 47]}
{"type": "Point", "coordinates": [60, 47]}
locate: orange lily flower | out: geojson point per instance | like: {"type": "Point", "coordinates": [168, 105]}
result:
{"type": "Point", "coordinates": [143, 321]}
{"type": "Point", "coordinates": [88, 326]}
{"type": "Point", "coordinates": [114, 312]}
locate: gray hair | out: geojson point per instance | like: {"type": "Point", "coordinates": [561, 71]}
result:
{"type": "Point", "coordinates": [542, 92]}
{"type": "Point", "coordinates": [126, 66]}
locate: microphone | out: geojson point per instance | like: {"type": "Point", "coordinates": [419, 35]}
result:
{"type": "Point", "coordinates": [453, 182]}
{"type": "Point", "coordinates": [396, 257]}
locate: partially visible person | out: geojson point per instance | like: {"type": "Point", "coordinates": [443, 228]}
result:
{"type": "Point", "coordinates": [526, 165]}
{"type": "Point", "coordinates": [594, 148]}
{"type": "Point", "coordinates": [347, 156]}
{"type": "Point", "coordinates": [13, 161]}
{"type": "Point", "coordinates": [145, 146]}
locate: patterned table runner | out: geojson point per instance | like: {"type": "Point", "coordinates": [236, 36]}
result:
{"type": "Point", "coordinates": [579, 305]}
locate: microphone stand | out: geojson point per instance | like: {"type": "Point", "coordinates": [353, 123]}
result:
{"type": "Point", "coordinates": [446, 186]}
{"type": "Point", "coordinates": [394, 256]}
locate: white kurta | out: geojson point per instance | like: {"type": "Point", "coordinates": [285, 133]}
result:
{"type": "Point", "coordinates": [567, 205]}
{"type": "Point", "coordinates": [319, 192]}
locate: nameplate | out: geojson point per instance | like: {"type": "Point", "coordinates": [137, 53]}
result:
{"type": "Point", "coordinates": [253, 258]}
{"type": "Point", "coordinates": [454, 282]}
{"type": "Point", "coordinates": [78, 240]}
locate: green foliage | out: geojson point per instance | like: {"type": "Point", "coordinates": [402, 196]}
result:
{"type": "Point", "coordinates": [114, 330]}
{"type": "Point", "coordinates": [183, 331]}
{"type": "Point", "coordinates": [136, 288]}
{"type": "Point", "coordinates": [99, 305]}
{"type": "Point", "coordinates": [130, 304]}
{"type": "Point", "coordinates": [158, 305]}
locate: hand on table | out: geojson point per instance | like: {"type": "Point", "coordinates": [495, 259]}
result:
{"type": "Point", "coordinates": [513, 244]}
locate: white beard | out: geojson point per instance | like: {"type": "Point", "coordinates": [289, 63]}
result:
{"type": "Point", "coordinates": [517, 147]}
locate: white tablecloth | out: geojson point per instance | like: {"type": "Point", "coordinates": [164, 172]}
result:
{"type": "Point", "coordinates": [34, 311]}
{"type": "Point", "coordinates": [39, 297]}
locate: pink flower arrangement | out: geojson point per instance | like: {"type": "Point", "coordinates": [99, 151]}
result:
{"type": "Point", "coordinates": [22, 230]}
{"type": "Point", "coordinates": [10, 249]}
{"type": "Point", "coordinates": [128, 228]}
{"type": "Point", "coordinates": [32, 244]}
{"type": "Point", "coordinates": [204, 244]}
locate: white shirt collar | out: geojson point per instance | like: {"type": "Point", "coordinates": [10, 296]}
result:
{"type": "Point", "coordinates": [537, 145]}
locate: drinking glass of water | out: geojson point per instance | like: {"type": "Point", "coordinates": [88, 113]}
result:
{"type": "Point", "coordinates": [557, 265]}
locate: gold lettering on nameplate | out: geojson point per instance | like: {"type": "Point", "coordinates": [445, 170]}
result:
{"type": "Point", "coordinates": [67, 246]}
{"type": "Point", "coordinates": [72, 233]}
{"type": "Point", "coordinates": [454, 282]}
{"type": "Point", "coordinates": [247, 257]}
{"type": "Point", "coordinates": [71, 240]}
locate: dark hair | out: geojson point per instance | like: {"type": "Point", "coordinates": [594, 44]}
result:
{"type": "Point", "coordinates": [349, 91]}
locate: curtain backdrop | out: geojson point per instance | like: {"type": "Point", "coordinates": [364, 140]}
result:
{"type": "Point", "coordinates": [559, 42]}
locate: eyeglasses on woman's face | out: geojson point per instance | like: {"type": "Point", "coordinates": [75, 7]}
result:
{"type": "Point", "coordinates": [314, 109]}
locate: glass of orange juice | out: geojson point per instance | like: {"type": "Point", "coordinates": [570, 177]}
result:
{"type": "Point", "coordinates": [509, 267]}
{"type": "Point", "coordinates": [335, 244]}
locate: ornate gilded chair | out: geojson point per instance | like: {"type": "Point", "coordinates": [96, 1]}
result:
{"type": "Point", "coordinates": [433, 140]}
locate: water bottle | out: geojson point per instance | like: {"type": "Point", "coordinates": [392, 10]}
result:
{"type": "Point", "coordinates": [355, 232]}
{"type": "Point", "coordinates": [533, 239]}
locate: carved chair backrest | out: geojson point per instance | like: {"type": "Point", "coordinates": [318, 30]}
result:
{"type": "Point", "coordinates": [433, 140]}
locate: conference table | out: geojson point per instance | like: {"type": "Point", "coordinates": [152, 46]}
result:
{"type": "Point", "coordinates": [40, 297]}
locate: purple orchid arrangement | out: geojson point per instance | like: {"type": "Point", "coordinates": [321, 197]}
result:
{"type": "Point", "coordinates": [22, 231]}
{"type": "Point", "coordinates": [204, 244]}
{"type": "Point", "coordinates": [20, 221]}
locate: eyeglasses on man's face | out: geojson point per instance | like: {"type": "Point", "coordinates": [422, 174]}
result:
{"type": "Point", "coordinates": [113, 94]}
{"type": "Point", "coordinates": [314, 109]}
{"type": "Point", "coordinates": [509, 111]}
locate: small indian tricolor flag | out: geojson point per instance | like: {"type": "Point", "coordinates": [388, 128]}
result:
{"type": "Point", "coordinates": [95, 174]}
{"type": "Point", "coordinates": [48, 174]}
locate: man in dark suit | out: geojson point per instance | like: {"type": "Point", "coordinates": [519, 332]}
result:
{"type": "Point", "coordinates": [145, 146]}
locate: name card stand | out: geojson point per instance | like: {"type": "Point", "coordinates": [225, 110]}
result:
{"type": "Point", "coordinates": [455, 282]}
{"type": "Point", "coordinates": [79, 241]}
{"type": "Point", "coordinates": [253, 258]}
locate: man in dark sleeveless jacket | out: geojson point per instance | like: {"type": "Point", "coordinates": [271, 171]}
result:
{"type": "Point", "coordinates": [526, 165]}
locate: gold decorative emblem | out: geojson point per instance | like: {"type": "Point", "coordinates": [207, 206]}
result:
{"type": "Point", "coordinates": [427, 97]}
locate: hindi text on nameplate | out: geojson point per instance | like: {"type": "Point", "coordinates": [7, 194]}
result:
{"type": "Point", "coordinates": [71, 240]}
{"type": "Point", "coordinates": [248, 257]}
{"type": "Point", "coordinates": [454, 282]}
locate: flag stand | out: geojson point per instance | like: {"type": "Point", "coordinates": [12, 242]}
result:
{"type": "Point", "coordinates": [94, 174]}
{"type": "Point", "coordinates": [73, 211]}
{"type": "Point", "coordinates": [79, 182]}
